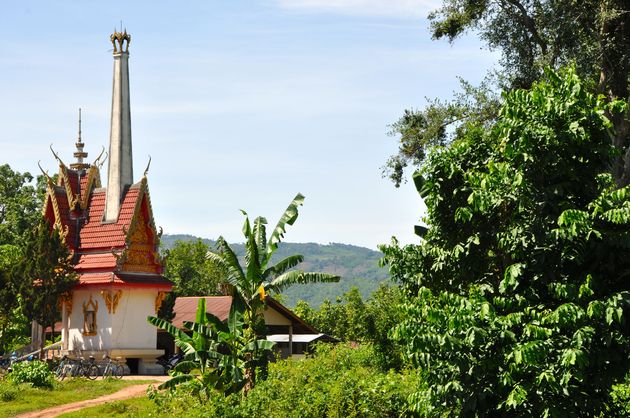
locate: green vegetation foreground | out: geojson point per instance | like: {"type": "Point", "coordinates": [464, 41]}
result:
{"type": "Point", "coordinates": [518, 295]}
{"type": "Point", "coordinates": [20, 398]}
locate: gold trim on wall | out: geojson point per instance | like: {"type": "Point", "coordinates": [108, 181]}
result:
{"type": "Point", "coordinates": [90, 309]}
{"type": "Point", "coordinates": [159, 299]}
{"type": "Point", "coordinates": [111, 299]}
{"type": "Point", "coordinates": [66, 300]}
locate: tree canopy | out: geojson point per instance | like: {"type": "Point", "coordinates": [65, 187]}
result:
{"type": "Point", "coordinates": [20, 204]}
{"type": "Point", "coordinates": [48, 275]}
{"type": "Point", "coordinates": [592, 35]}
{"type": "Point", "coordinates": [193, 274]}
{"type": "Point", "coordinates": [518, 292]}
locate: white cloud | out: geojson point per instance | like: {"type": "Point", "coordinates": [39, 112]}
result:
{"type": "Point", "coordinates": [389, 8]}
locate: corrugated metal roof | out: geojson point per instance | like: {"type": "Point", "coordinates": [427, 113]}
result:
{"type": "Point", "coordinates": [297, 338]}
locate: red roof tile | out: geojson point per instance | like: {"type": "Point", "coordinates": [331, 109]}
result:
{"type": "Point", "coordinates": [66, 218]}
{"type": "Point", "coordinates": [95, 234]}
{"type": "Point", "coordinates": [84, 182]}
{"type": "Point", "coordinates": [185, 308]}
{"type": "Point", "coordinates": [96, 261]}
{"type": "Point", "coordinates": [143, 280]}
{"type": "Point", "coordinates": [73, 179]}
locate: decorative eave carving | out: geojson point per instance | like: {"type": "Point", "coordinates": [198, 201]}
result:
{"type": "Point", "coordinates": [93, 181]}
{"type": "Point", "coordinates": [63, 229]}
{"type": "Point", "coordinates": [66, 300]}
{"type": "Point", "coordinates": [159, 299]}
{"type": "Point", "coordinates": [111, 299]}
{"type": "Point", "coordinates": [73, 200]}
{"type": "Point", "coordinates": [141, 250]}
{"type": "Point", "coordinates": [90, 306]}
{"type": "Point", "coordinates": [50, 194]}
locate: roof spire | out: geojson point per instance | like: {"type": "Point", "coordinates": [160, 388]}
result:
{"type": "Point", "coordinates": [120, 165]}
{"type": "Point", "coordinates": [79, 154]}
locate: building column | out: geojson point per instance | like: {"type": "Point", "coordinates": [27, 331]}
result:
{"type": "Point", "coordinates": [64, 327]}
{"type": "Point", "coordinates": [290, 340]}
{"type": "Point", "coordinates": [36, 334]}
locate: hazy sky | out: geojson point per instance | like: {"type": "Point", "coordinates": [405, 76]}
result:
{"type": "Point", "coordinates": [241, 104]}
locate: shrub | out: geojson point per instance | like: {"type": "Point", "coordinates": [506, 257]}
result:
{"type": "Point", "coordinates": [621, 399]}
{"type": "Point", "coordinates": [36, 373]}
{"type": "Point", "coordinates": [8, 391]}
{"type": "Point", "coordinates": [337, 381]}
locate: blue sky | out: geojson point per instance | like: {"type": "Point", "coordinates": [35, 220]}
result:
{"type": "Point", "coordinates": [240, 104]}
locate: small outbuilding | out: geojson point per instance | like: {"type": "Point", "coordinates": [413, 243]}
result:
{"type": "Point", "coordinates": [292, 335]}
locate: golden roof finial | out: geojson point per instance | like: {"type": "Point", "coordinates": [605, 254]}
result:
{"type": "Point", "coordinates": [56, 156]}
{"type": "Point", "coordinates": [45, 173]}
{"type": "Point", "coordinates": [118, 39]}
{"type": "Point", "coordinates": [79, 154]}
{"type": "Point", "coordinates": [146, 170]}
{"type": "Point", "coordinates": [79, 136]}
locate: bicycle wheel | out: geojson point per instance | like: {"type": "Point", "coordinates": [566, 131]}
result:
{"type": "Point", "coordinates": [60, 372]}
{"type": "Point", "coordinates": [119, 370]}
{"type": "Point", "coordinates": [107, 372]}
{"type": "Point", "coordinates": [75, 370]}
{"type": "Point", "coordinates": [91, 372]}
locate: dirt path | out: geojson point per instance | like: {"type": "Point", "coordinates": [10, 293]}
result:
{"type": "Point", "coordinates": [125, 393]}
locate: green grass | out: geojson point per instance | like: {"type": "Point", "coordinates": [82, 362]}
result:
{"type": "Point", "coordinates": [131, 408]}
{"type": "Point", "coordinates": [17, 399]}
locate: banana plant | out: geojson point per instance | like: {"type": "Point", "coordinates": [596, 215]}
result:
{"type": "Point", "coordinates": [258, 277]}
{"type": "Point", "coordinates": [217, 355]}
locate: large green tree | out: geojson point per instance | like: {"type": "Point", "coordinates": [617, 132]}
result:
{"type": "Point", "coordinates": [12, 324]}
{"type": "Point", "coordinates": [529, 35]}
{"type": "Point", "coordinates": [353, 319]}
{"type": "Point", "coordinates": [20, 203]}
{"type": "Point", "coordinates": [187, 265]}
{"type": "Point", "coordinates": [48, 275]}
{"type": "Point", "coordinates": [519, 293]}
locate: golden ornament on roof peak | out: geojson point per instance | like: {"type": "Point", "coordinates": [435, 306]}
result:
{"type": "Point", "coordinates": [118, 39]}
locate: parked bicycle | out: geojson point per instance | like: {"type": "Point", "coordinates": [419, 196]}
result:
{"type": "Point", "coordinates": [170, 362]}
{"type": "Point", "coordinates": [64, 368]}
{"type": "Point", "coordinates": [113, 368]}
{"type": "Point", "coordinates": [77, 368]}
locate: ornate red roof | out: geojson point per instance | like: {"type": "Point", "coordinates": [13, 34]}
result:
{"type": "Point", "coordinates": [117, 253]}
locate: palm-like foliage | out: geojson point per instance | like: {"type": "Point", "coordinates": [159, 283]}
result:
{"type": "Point", "coordinates": [218, 355]}
{"type": "Point", "coordinates": [258, 276]}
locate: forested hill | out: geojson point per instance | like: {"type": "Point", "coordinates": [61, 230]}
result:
{"type": "Point", "coordinates": [357, 266]}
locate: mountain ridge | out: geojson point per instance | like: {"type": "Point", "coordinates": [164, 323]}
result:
{"type": "Point", "coordinates": [357, 266]}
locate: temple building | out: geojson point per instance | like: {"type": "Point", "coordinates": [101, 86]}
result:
{"type": "Point", "coordinates": [113, 240]}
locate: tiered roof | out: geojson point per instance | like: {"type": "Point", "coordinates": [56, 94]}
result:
{"type": "Point", "coordinates": [124, 252]}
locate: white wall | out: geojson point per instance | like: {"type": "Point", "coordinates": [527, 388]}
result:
{"type": "Point", "coordinates": [127, 328]}
{"type": "Point", "coordinates": [273, 317]}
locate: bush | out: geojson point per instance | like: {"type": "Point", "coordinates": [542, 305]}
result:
{"type": "Point", "coordinates": [337, 381]}
{"type": "Point", "coordinates": [8, 391]}
{"type": "Point", "coordinates": [620, 399]}
{"type": "Point", "coordinates": [36, 373]}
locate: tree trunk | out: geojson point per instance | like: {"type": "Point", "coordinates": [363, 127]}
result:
{"type": "Point", "coordinates": [615, 68]}
{"type": "Point", "coordinates": [42, 343]}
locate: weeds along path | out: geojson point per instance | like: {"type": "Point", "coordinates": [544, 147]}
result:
{"type": "Point", "coordinates": [125, 393]}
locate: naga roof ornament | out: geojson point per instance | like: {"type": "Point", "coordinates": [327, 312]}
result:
{"type": "Point", "coordinates": [120, 38]}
